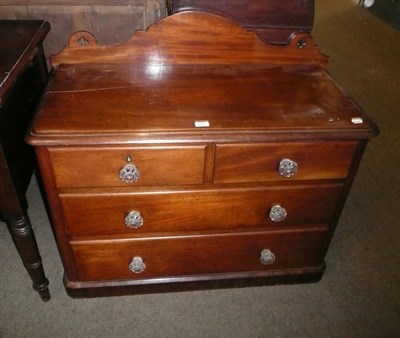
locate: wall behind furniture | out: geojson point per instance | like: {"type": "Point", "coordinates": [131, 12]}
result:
{"type": "Point", "coordinates": [111, 21]}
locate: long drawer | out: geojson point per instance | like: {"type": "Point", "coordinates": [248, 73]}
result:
{"type": "Point", "coordinates": [116, 213]}
{"type": "Point", "coordinates": [195, 255]}
{"type": "Point", "coordinates": [81, 167]}
{"type": "Point", "coordinates": [236, 163]}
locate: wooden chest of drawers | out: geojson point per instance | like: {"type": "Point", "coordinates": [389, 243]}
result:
{"type": "Point", "coordinates": [200, 159]}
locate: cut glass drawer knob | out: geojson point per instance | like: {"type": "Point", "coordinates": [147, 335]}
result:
{"type": "Point", "coordinates": [267, 257]}
{"type": "Point", "coordinates": [287, 167]}
{"type": "Point", "coordinates": [134, 219]}
{"type": "Point", "coordinates": [137, 265]}
{"type": "Point", "coordinates": [129, 173]}
{"type": "Point", "coordinates": [277, 213]}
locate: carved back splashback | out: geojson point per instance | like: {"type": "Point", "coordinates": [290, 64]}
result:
{"type": "Point", "coordinates": [191, 38]}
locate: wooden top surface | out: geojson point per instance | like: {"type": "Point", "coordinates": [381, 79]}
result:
{"type": "Point", "coordinates": [18, 42]}
{"type": "Point", "coordinates": [135, 103]}
{"type": "Point", "coordinates": [186, 68]}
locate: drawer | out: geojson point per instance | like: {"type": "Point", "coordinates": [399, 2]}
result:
{"type": "Point", "coordinates": [261, 162]}
{"type": "Point", "coordinates": [194, 255]}
{"type": "Point", "coordinates": [96, 167]}
{"type": "Point", "coordinates": [110, 213]}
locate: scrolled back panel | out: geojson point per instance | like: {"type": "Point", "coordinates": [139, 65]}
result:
{"type": "Point", "coordinates": [191, 38]}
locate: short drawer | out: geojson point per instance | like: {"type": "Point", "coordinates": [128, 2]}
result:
{"type": "Point", "coordinates": [194, 255]}
{"type": "Point", "coordinates": [118, 213]}
{"type": "Point", "coordinates": [262, 162]}
{"type": "Point", "coordinates": [96, 167]}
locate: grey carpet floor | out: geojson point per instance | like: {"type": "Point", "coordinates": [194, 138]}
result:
{"type": "Point", "coordinates": [359, 295]}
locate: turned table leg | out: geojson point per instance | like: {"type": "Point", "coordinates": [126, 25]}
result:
{"type": "Point", "coordinates": [25, 242]}
{"type": "Point", "coordinates": [13, 210]}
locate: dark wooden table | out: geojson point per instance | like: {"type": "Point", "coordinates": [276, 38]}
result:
{"type": "Point", "coordinates": [23, 77]}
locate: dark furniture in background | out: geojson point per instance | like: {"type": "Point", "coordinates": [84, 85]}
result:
{"type": "Point", "coordinates": [273, 21]}
{"type": "Point", "coordinates": [23, 77]}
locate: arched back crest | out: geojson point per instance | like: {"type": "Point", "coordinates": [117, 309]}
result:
{"type": "Point", "coordinates": [191, 38]}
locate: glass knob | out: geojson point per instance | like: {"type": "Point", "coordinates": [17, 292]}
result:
{"type": "Point", "coordinates": [129, 173]}
{"type": "Point", "coordinates": [287, 167]}
{"type": "Point", "coordinates": [134, 219]}
{"type": "Point", "coordinates": [267, 257]}
{"type": "Point", "coordinates": [277, 213]}
{"type": "Point", "coordinates": [137, 265]}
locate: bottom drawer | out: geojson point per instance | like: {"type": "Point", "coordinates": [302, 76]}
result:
{"type": "Point", "coordinates": [201, 254]}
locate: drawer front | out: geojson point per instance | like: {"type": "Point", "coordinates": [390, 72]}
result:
{"type": "Point", "coordinates": [178, 256]}
{"type": "Point", "coordinates": [261, 162]}
{"type": "Point", "coordinates": [94, 167]}
{"type": "Point", "coordinates": [115, 214]}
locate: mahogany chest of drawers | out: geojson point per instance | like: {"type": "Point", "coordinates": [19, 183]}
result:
{"type": "Point", "coordinates": [194, 156]}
